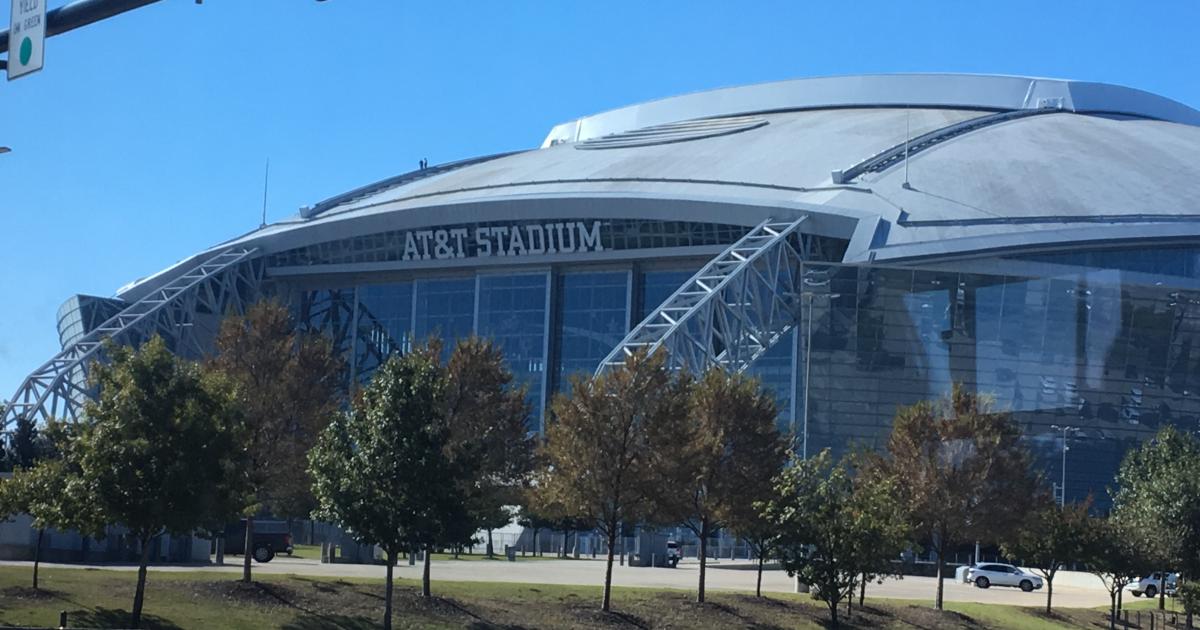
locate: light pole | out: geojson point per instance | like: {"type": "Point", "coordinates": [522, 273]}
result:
{"type": "Point", "coordinates": [1062, 488]}
{"type": "Point", "coordinates": [808, 361]}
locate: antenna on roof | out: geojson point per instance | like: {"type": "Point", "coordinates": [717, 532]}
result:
{"type": "Point", "coordinates": [907, 133]}
{"type": "Point", "coordinates": [266, 180]}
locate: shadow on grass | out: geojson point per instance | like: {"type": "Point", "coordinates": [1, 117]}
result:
{"type": "Point", "coordinates": [115, 618]}
{"type": "Point", "coordinates": [330, 622]}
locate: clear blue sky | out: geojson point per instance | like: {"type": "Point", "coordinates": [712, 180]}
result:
{"type": "Point", "coordinates": [143, 139]}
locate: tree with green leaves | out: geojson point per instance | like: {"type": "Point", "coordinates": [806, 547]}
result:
{"type": "Point", "coordinates": [48, 490]}
{"type": "Point", "coordinates": [289, 385]}
{"type": "Point", "coordinates": [961, 472]}
{"type": "Point", "coordinates": [758, 532]}
{"type": "Point", "coordinates": [724, 452]}
{"type": "Point", "coordinates": [1113, 553]}
{"type": "Point", "coordinates": [488, 416]}
{"type": "Point", "coordinates": [1048, 537]}
{"type": "Point", "coordinates": [835, 527]}
{"type": "Point", "coordinates": [1159, 495]}
{"type": "Point", "coordinates": [384, 470]}
{"type": "Point", "coordinates": [159, 450]}
{"type": "Point", "coordinates": [24, 446]}
{"type": "Point", "coordinates": [601, 446]}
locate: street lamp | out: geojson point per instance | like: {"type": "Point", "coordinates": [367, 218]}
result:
{"type": "Point", "coordinates": [808, 359]}
{"type": "Point", "coordinates": [1062, 488]}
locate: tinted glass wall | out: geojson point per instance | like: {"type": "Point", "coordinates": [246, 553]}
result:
{"type": "Point", "coordinates": [1108, 360]}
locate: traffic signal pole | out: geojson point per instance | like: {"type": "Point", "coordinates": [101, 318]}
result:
{"type": "Point", "coordinates": [76, 14]}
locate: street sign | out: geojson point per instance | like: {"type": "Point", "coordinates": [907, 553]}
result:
{"type": "Point", "coordinates": [26, 34]}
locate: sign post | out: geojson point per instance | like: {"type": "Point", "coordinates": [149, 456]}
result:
{"type": "Point", "coordinates": [26, 35]}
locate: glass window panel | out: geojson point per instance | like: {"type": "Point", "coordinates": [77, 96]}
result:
{"type": "Point", "coordinates": [385, 324]}
{"type": "Point", "coordinates": [445, 308]}
{"type": "Point", "coordinates": [512, 311]}
{"type": "Point", "coordinates": [592, 321]}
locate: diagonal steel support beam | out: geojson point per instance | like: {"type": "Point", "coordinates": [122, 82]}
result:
{"type": "Point", "coordinates": [182, 311]}
{"type": "Point", "coordinates": [733, 310]}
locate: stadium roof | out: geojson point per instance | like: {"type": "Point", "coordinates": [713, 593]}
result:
{"type": "Point", "coordinates": [993, 162]}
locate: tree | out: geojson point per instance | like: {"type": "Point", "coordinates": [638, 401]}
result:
{"type": "Point", "coordinates": [383, 471]}
{"type": "Point", "coordinates": [48, 490]}
{"type": "Point", "coordinates": [1048, 537]}
{"type": "Point", "coordinates": [1113, 554]}
{"type": "Point", "coordinates": [488, 418]}
{"type": "Point", "coordinates": [288, 386]}
{"type": "Point", "coordinates": [1159, 497]}
{"type": "Point", "coordinates": [724, 453]}
{"type": "Point", "coordinates": [759, 533]}
{"type": "Point", "coordinates": [835, 527]}
{"type": "Point", "coordinates": [600, 447]}
{"type": "Point", "coordinates": [25, 445]}
{"type": "Point", "coordinates": [159, 449]}
{"type": "Point", "coordinates": [961, 471]}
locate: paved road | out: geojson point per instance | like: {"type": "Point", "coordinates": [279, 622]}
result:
{"type": "Point", "coordinates": [1072, 589]}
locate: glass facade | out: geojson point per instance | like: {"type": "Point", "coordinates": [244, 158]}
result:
{"type": "Point", "coordinates": [444, 308]}
{"type": "Point", "coordinates": [593, 317]}
{"type": "Point", "coordinates": [1104, 352]}
{"type": "Point", "coordinates": [1179, 262]}
{"type": "Point", "coordinates": [1110, 359]}
{"type": "Point", "coordinates": [512, 311]}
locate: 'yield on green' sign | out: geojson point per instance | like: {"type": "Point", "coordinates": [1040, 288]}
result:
{"type": "Point", "coordinates": [26, 35]}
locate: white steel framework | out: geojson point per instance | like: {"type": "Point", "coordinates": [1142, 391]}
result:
{"type": "Point", "coordinates": [733, 310]}
{"type": "Point", "coordinates": [184, 312]}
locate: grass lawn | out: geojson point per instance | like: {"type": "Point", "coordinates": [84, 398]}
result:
{"type": "Point", "coordinates": [98, 598]}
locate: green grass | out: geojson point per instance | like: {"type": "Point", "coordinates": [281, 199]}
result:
{"type": "Point", "coordinates": [99, 598]}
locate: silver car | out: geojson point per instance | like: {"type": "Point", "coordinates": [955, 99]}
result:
{"type": "Point", "coordinates": [995, 574]}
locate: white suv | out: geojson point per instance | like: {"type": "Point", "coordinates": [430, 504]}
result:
{"type": "Point", "coordinates": [994, 574]}
{"type": "Point", "coordinates": [1148, 585]}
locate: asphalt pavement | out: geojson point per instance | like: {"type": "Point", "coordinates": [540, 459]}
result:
{"type": "Point", "coordinates": [1071, 589]}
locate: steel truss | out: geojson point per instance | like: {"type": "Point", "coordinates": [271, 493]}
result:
{"type": "Point", "coordinates": [185, 312]}
{"type": "Point", "coordinates": [358, 335]}
{"type": "Point", "coordinates": [733, 310]}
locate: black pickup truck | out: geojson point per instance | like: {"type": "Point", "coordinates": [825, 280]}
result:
{"type": "Point", "coordinates": [270, 538]}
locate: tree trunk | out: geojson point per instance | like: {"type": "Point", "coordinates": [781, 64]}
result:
{"type": "Point", "coordinates": [565, 540]}
{"type": "Point", "coordinates": [1120, 600]}
{"type": "Point", "coordinates": [941, 561]}
{"type": "Point", "coordinates": [862, 590]}
{"type": "Point", "coordinates": [612, 543]}
{"type": "Point", "coordinates": [833, 618]}
{"type": "Point", "coordinates": [490, 549]}
{"type": "Point", "coordinates": [387, 592]}
{"type": "Point", "coordinates": [1162, 590]}
{"type": "Point", "coordinates": [758, 584]}
{"type": "Point", "coordinates": [1049, 593]}
{"type": "Point", "coordinates": [703, 558]}
{"type": "Point", "coordinates": [1112, 611]}
{"type": "Point", "coordinates": [139, 595]}
{"type": "Point", "coordinates": [248, 550]}
{"type": "Point", "coordinates": [37, 556]}
{"type": "Point", "coordinates": [425, 572]}
{"type": "Point", "coordinates": [535, 541]}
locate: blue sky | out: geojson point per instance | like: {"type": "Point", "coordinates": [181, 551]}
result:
{"type": "Point", "coordinates": [144, 138]}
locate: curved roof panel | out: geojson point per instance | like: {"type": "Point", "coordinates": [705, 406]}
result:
{"type": "Point", "coordinates": [993, 162]}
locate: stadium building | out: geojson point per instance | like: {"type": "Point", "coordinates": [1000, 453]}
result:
{"type": "Point", "coordinates": [857, 242]}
